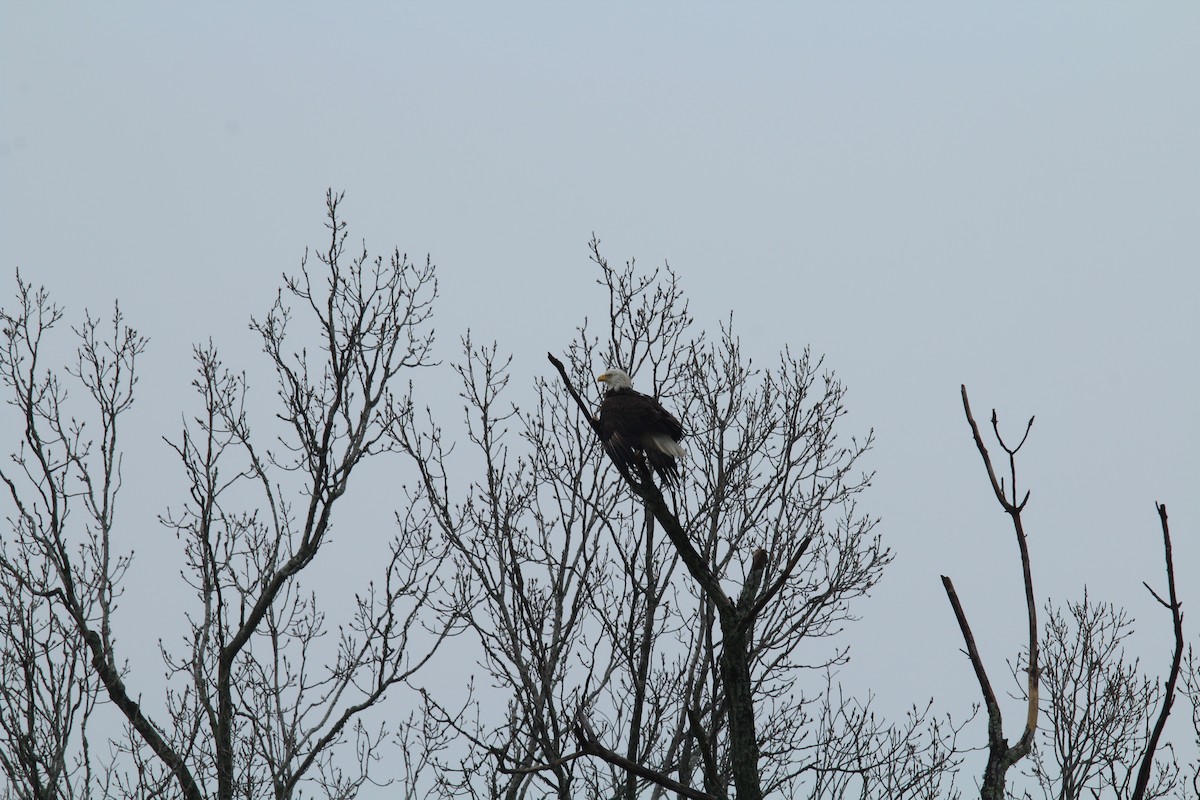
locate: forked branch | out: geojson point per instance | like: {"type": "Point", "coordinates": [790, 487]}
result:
{"type": "Point", "coordinates": [1000, 755]}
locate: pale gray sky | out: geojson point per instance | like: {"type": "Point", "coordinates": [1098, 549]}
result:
{"type": "Point", "coordinates": [1002, 195]}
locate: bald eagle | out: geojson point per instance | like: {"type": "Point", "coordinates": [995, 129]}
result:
{"type": "Point", "coordinates": [632, 422]}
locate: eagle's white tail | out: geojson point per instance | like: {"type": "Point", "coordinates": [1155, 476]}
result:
{"type": "Point", "coordinates": [664, 444]}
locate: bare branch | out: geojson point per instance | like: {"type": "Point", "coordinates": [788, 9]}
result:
{"type": "Point", "coordinates": [1000, 755]}
{"type": "Point", "coordinates": [1169, 687]}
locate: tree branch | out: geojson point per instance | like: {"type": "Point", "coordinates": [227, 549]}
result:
{"type": "Point", "coordinates": [985, 686]}
{"type": "Point", "coordinates": [1000, 755]}
{"type": "Point", "coordinates": [654, 500]}
{"type": "Point", "coordinates": [1143, 778]}
{"type": "Point", "coordinates": [589, 744]}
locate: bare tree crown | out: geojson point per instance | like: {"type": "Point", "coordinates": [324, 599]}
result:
{"type": "Point", "coordinates": [625, 641]}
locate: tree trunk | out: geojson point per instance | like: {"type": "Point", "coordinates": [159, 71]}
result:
{"type": "Point", "coordinates": [735, 675]}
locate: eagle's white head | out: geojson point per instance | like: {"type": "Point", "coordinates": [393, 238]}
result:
{"type": "Point", "coordinates": [615, 379]}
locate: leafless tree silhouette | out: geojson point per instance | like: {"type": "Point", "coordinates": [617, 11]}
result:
{"type": "Point", "coordinates": [631, 640]}
{"type": "Point", "coordinates": [1098, 707]}
{"type": "Point", "coordinates": [653, 644]}
{"type": "Point", "coordinates": [254, 706]}
{"type": "Point", "coordinates": [1001, 755]}
{"type": "Point", "coordinates": [1099, 737]}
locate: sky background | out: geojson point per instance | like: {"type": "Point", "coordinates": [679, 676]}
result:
{"type": "Point", "coordinates": [1001, 195]}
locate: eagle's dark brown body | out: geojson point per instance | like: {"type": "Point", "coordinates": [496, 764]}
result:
{"type": "Point", "coordinates": [632, 423]}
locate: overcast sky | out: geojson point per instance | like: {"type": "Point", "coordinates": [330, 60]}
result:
{"type": "Point", "coordinates": [1002, 195]}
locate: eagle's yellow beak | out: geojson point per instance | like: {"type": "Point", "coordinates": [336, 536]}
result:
{"type": "Point", "coordinates": [601, 378]}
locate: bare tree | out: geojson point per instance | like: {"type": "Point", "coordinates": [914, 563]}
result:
{"type": "Point", "coordinates": [254, 705]}
{"type": "Point", "coordinates": [1098, 707]}
{"type": "Point", "coordinates": [1001, 755]}
{"type": "Point", "coordinates": [59, 593]}
{"type": "Point", "coordinates": [47, 696]}
{"type": "Point", "coordinates": [641, 643]}
{"type": "Point", "coordinates": [651, 645]}
{"type": "Point", "coordinates": [1191, 689]}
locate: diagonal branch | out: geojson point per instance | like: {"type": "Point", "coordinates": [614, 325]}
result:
{"type": "Point", "coordinates": [1143, 778]}
{"type": "Point", "coordinates": [985, 686]}
{"type": "Point", "coordinates": [654, 500]}
{"type": "Point", "coordinates": [589, 745]}
{"type": "Point", "coordinates": [711, 776]}
{"type": "Point", "coordinates": [549, 765]}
